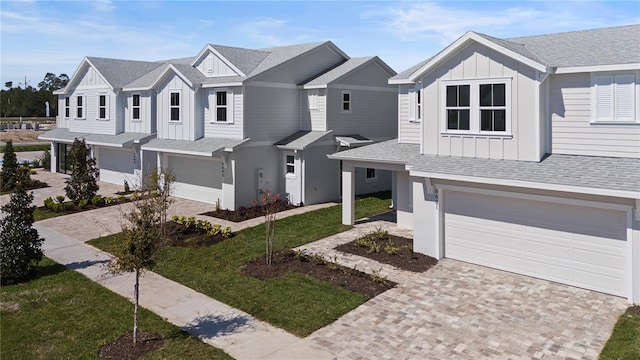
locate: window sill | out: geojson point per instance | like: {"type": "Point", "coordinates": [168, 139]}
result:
{"type": "Point", "coordinates": [221, 122]}
{"type": "Point", "coordinates": [291, 176]}
{"type": "Point", "coordinates": [615, 123]}
{"type": "Point", "coordinates": [175, 122]}
{"type": "Point", "coordinates": [136, 120]}
{"type": "Point", "coordinates": [415, 121]}
{"type": "Point", "coordinates": [102, 119]}
{"type": "Point", "coordinates": [370, 180]}
{"type": "Point", "coordinates": [79, 119]}
{"type": "Point", "coordinates": [478, 135]}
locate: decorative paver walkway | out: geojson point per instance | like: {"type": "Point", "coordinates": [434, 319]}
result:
{"type": "Point", "coordinates": [458, 310]}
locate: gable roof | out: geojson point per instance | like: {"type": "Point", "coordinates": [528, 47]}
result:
{"type": "Point", "coordinates": [344, 69]}
{"type": "Point", "coordinates": [301, 139]}
{"type": "Point", "coordinates": [585, 50]}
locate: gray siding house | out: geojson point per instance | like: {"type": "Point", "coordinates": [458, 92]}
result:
{"type": "Point", "coordinates": [521, 154]}
{"type": "Point", "coordinates": [231, 122]}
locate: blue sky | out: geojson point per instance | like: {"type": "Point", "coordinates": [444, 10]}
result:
{"type": "Point", "coordinates": [53, 36]}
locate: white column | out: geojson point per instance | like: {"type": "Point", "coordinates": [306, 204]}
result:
{"type": "Point", "coordinates": [394, 190]}
{"type": "Point", "coordinates": [348, 193]}
{"type": "Point", "coordinates": [54, 157]}
{"type": "Point", "coordinates": [159, 161]}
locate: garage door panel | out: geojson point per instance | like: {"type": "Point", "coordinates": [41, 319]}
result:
{"type": "Point", "coordinates": [117, 165]}
{"type": "Point", "coordinates": [576, 245]}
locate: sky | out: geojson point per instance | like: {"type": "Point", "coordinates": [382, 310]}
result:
{"type": "Point", "coordinates": [37, 37]}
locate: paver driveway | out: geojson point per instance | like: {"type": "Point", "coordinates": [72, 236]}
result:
{"type": "Point", "coordinates": [458, 310]}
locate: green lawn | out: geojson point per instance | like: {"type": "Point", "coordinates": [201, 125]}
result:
{"type": "Point", "coordinates": [296, 303]}
{"type": "Point", "coordinates": [624, 343]}
{"type": "Point", "coordinates": [42, 215]}
{"type": "Point", "coordinates": [61, 315]}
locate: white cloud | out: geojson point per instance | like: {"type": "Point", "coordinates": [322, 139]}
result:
{"type": "Point", "coordinates": [103, 5]}
{"type": "Point", "coordinates": [445, 22]}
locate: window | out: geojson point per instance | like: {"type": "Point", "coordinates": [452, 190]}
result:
{"type": "Point", "coordinates": [477, 106]}
{"type": "Point", "coordinates": [613, 98]}
{"type": "Point", "coordinates": [458, 107]}
{"type": "Point", "coordinates": [135, 107]}
{"type": "Point", "coordinates": [80, 107]}
{"type": "Point", "coordinates": [313, 99]}
{"type": "Point", "coordinates": [102, 107]}
{"type": "Point", "coordinates": [415, 105]}
{"type": "Point", "coordinates": [67, 107]}
{"type": "Point", "coordinates": [346, 101]}
{"type": "Point", "coordinates": [371, 174]}
{"type": "Point", "coordinates": [175, 106]}
{"type": "Point", "coordinates": [492, 107]}
{"type": "Point", "coordinates": [221, 106]}
{"type": "Point", "coordinates": [291, 167]}
{"type": "Point", "coordinates": [419, 105]}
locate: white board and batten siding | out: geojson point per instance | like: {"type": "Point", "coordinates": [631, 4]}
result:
{"type": "Point", "coordinates": [408, 128]}
{"type": "Point", "coordinates": [90, 86]}
{"type": "Point", "coordinates": [185, 129]}
{"type": "Point", "coordinates": [574, 131]}
{"type": "Point", "coordinates": [571, 244]}
{"type": "Point", "coordinates": [314, 110]}
{"type": "Point", "coordinates": [233, 128]}
{"type": "Point", "coordinates": [147, 121]}
{"type": "Point", "coordinates": [197, 178]}
{"type": "Point", "coordinates": [211, 65]}
{"type": "Point", "coordinates": [474, 62]}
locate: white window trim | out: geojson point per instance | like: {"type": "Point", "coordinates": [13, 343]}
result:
{"type": "Point", "coordinates": [415, 107]}
{"type": "Point", "coordinates": [84, 107]}
{"type": "Point", "coordinates": [106, 107]}
{"type": "Point", "coordinates": [139, 119]}
{"type": "Point", "coordinates": [474, 108]}
{"type": "Point", "coordinates": [179, 106]}
{"type": "Point", "coordinates": [370, 179]}
{"type": "Point", "coordinates": [342, 102]}
{"type": "Point", "coordinates": [289, 175]}
{"type": "Point", "coordinates": [67, 107]}
{"type": "Point", "coordinates": [213, 106]}
{"type": "Point", "coordinates": [635, 119]}
{"type": "Point", "coordinates": [312, 98]}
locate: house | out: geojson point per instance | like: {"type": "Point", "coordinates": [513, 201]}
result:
{"type": "Point", "coordinates": [231, 122]}
{"type": "Point", "coordinates": [521, 154]}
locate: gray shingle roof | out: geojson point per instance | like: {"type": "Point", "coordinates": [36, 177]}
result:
{"type": "Point", "coordinates": [280, 55]}
{"type": "Point", "coordinates": [353, 140]}
{"type": "Point", "coordinates": [62, 135]}
{"type": "Point", "coordinates": [572, 170]}
{"type": "Point", "coordinates": [597, 172]}
{"type": "Point", "coordinates": [605, 46]}
{"type": "Point", "coordinates": [301, 139]}
{"type": "Point", "coordinates": [244, 59]}
{"type": "Point", "coordinates": [389, 151]}
{"type": "Point", "coordinates": [340, 71]}
{"type": "Point", "coordinates": [202, 147]}
{"type": "Point", "coordinates": [122, 72]}
{"type": "Point", "coordinates": [126, 139]}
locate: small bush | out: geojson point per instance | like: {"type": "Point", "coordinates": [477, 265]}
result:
{"type": "Point", "coordinates": [391, 248]}
{"type": "Point", "coordinates": [98, 200]}
{"type": "Point", "coordinates": [36, 163]}
{"type": "Point", "coordinates": [126, 186]}
{"type": "Point", "coordinates": [57, 207]}
{"type": "Point", "coordinates": [45, 160]}
{"type": "Point", "coordinates": [83, 203]}
{"type": "Point", "coordinates": [60, 199]}
{"type": "Point", "coordinates": [121, 198]}
{"type": "Point", "coordinates": [108, 200]}
{"type": "Point", "coordinates": [48, 203]}
{"type": "Point", "coordinates": [68, 206]}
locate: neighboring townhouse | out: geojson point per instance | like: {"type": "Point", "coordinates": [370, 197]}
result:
{"type": "Point", "coordinates": [231, 123]}
{"type": "Point", "coordinates": [521, 154]}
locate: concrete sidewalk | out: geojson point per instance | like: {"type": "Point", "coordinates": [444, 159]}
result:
{"type": "Point", "coordinates": [236, 332]}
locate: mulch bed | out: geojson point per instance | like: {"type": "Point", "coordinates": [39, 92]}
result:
{"type": "Point", "coordinates": [635, 309]}
{"type": "Point", "coordinates": [123, 348]}
{"type": "Point", "coordinates": [405, 259]}
{"type": "Point", "coordinates": [244, 213]}
{"type": "Point", "coordinates": [37, 184]}
{"type": "Point", "coordinates": [180, 235]}
{"type": "Point", "coordinates": [288, 260]}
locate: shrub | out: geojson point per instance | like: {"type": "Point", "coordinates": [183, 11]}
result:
{"type": "Point", "coordinates": [121, 198]}
{"type": "Point", "coordinates": [48, 203]}
{"type": "Point", "coordinates": [84, 174]}
{"type": "Point", "coordinates": [9, 167]}
{"type": "Point", "coordinates": [97, 200]}
{"type": "Point", "coordinates": [83, 203]}
{"type": "Point", "coordinates": [35, 163]}
{"type": "Point", "coordinates": [60, 199]}
{"type": "Point", "coordinates": [67, 206]}
{"type": "Point", "coordinates": [57, 207]}
{"type": "Point", "coordinates": [45, 160]}
{"type": "Point", "coordinates": [108, 200]}
{"type": "Point", "coordinates": [126, 186]}
{"type": "Point", "coordinates": [391, 248]}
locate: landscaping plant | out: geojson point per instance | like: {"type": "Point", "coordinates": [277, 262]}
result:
{"type": "Point", "coordinates": [45, 160]}
{"type": "Point", "coordinates": [160, 185]}
{"type": "Point", "coordinates": [269, 205]}
{"type": "Point", "coordinates": [83, 183]}
{"type": "Point", "coordinates": [20, 244]}
{"type": "Point", "coordinates": [9, 167]}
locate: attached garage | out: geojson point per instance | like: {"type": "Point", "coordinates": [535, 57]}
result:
{"type": "Point", "coordinates": [569, 243]}
{"type": "Point", "coordinates": [196, 178]}
{"type": "Point", "coordinates": [117, 165]}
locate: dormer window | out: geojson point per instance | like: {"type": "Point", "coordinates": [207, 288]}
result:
{"type": "Point", "coordinates": [175, 106]}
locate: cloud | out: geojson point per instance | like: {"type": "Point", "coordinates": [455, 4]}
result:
{"type": "Point", "coordinates": [445, 22]}
{"type": "Point", "coordinates": [103, 5]}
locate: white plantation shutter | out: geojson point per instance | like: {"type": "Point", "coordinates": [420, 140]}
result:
{"type": "Point", "coordinates": [624, 98]}
{"type": "Point", "coordinates": [603, 97]}
{"type": "Point", "coordinates": [413, 105]}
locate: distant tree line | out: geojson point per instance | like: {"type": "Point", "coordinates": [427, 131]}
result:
{"type": "Point", "coordinates": [28, 101]}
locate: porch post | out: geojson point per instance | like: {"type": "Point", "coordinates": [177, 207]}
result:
{"type": "Point", "coordinates": [394, 190]}
{"type": "Point", "coordinates": [348, 193]}
{"type": "Point", "coordinates": [54, 157]}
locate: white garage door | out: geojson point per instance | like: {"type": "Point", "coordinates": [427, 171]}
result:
{"type": "Point", "coordinates": [580, 246]}
{"type": "Point", "coordinates": [116, 166]}
{"type": "Point", "coordinates": [197, 179]}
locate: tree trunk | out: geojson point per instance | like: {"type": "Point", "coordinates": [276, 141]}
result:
{"type": "Point", "coordinates": [135, 309]}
